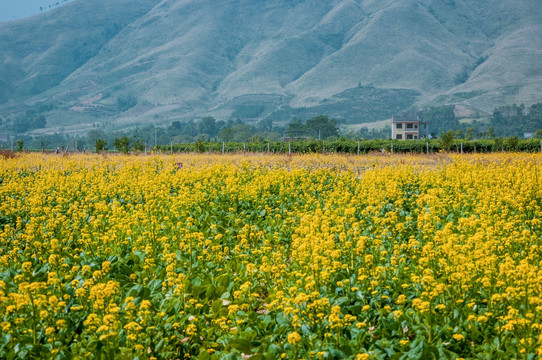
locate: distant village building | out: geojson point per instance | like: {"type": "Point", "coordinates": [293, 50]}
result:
{"type": "Point", "coordinates": [408, 127]}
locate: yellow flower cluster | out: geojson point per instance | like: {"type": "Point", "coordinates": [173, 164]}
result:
{"type": "Point", "coordinates": [307, 256]}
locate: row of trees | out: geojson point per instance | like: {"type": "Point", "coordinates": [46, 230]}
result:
{"type": "Point", "coordinates": [506, 121]}
{"type": "Point", "coordinates": [515, 120]}
{"type": "Point", "coordinates": [123, 144]}
{"type": "Point", "coordinates": [30, 120]}
{"type": "Point", "coordinates": [512, 120]}
{"type": "Point", "coordinates": [319, 127]}
{"type": "Point", "coordinates": [208, 129]}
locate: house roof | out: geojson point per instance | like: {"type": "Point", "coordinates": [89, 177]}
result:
{"type": "Point", "coordinates": [408, 117]}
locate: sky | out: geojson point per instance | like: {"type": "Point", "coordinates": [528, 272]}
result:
{"type": "Point", "coordinates": [16, 9]}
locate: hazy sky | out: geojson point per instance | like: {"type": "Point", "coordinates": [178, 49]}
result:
{"type": "Point", "coordinates": [16, 9]}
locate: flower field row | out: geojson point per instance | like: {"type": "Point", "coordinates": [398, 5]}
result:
{"type": "Point", "coordinates": [265, 257]}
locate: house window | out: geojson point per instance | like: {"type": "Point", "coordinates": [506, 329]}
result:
{"type": "Point", "coordinates": [415, 137]}
{"type": "Point", "coordinates": [415, 126]}
{"type": "Point", "coordinates": [398, 126]}
{"type": "Point", "coordinates": [409, 126]}
{"type": "Point", "coordinates": [409, 136]}
{"type": "Point", "coordinates": [399, 136]}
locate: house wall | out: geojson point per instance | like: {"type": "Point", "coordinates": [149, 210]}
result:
{"type": "Point", "coordinates": [405, 130]}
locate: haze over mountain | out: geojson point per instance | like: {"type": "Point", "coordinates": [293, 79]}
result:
{"type": "Point", "coordinates": [127, 63]}
{"type": "Point", "coordinates": [17, 9]}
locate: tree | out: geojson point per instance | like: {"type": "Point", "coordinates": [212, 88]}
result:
{"type": "Point", "coordinates": [459, 134]}
{"type": "Point", "coordinates": [126, 102]}
{"type": "Point", "coordinates": [207, 125]}
{"type": "Point", "coordinates": [226, 134]}
{"type": "Point", "coordinates": [241, 132]}
{"type": "Point", "coordinates": [139, 145]}
{"type": "Point", "coordinates": [100, 145]}
{"type": "Point", "coordinates": [20, 145]}
{"type": "Point", "coordinates": [447, 140]}
{"type": "Point", "coordinates": [322, 127]}
{"type": "Point", "coordinates": [190, 128]}
{"type": "Point", "coordinates": [39, 122]}
{"type": "Point", "coordinates": [296, 129]}
{"type": "Point", "coordinates": [265, 125]}
{"type": "Point", "coordinates": [469, 133]}
{"type": "Point", "coordinates": [490, 133]}
{"type": "Point", "coordinates": [122, 144]}
{"type": "Point", "coordinates": [176, 125]}
{"type": "Point", "coordinates": [440, 118]}
{"type": "Point", "coordinates": [512, 142]}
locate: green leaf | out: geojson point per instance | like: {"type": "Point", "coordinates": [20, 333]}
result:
{"type": "Point", "coordinates": [223, 280]}
{"type": "Point", "coordinates": [430, 352]}
{"type": "Point", "coordinates": [242, 345]}
{"type": "Point", "coordinates": [305, 330]}
{"type": "Point", "coordinates": [217, 305]}
{"type": "Point", "coordinates": [204, 355]}
{"type": "Point", "coordinates": [155, 286]}
{"type": "Point", "coordinates": [282, 320]}
{"type": "Point", "coordinates": [210, 292]}
{"type": "Point", "coordinates": [341, 300]}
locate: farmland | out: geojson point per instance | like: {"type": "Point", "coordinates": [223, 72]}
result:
{"type": "Point", "coordinates": [271, 256]}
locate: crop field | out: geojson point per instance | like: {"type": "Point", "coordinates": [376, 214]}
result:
{"type": "Point", "coordinates": [271, 256]}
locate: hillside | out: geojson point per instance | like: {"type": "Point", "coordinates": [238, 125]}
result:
{"type": "Point", "coordinates": [17, 9]}
{"type": "Point", "coordinates": [127, 63]}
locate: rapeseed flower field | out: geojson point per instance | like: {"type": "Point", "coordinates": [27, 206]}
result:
{"type": "Point", "coordinates": [266, 257]}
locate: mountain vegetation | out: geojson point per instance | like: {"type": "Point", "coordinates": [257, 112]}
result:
{"type": "Point", "coordinates": [120, 65]}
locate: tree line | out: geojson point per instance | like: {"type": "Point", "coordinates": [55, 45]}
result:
{"type": "Point", "coordinates": [508, 121]}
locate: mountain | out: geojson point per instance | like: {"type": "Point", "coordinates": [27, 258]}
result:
{"type": "Point", "coordinates": [17, 9]}
{"type": "Point", "coordinates": [126, 63]}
